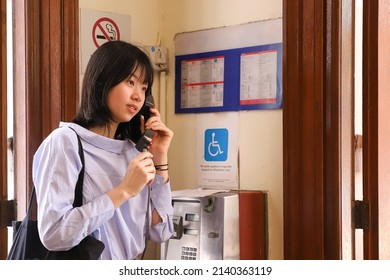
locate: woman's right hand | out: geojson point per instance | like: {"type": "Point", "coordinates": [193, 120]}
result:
{"type": "Point", "coordinates": [140, 172]}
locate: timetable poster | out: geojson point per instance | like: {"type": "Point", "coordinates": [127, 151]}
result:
{"type": "Point", "coordinates": [202, 82]}
{"type": "Point", "coordinates": [258, 77]}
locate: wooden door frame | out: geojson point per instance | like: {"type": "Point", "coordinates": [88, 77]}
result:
{"type": "Point", "coordinates": [50, 90]}
{"type": "Point", "coordinates": [376, 127]}
{"type": "Point", "coordinates": [313, 139]}
{"type": "Point", "coordinates": [46, 79]}
{"type": "Point", "coordinates": [3, 120]}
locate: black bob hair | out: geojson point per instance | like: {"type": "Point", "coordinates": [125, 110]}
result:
{"type": "Point", "coordinates": [108, 66]}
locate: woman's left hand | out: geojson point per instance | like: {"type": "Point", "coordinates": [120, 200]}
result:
{"type": "Point", "coordinates": [162, 141]}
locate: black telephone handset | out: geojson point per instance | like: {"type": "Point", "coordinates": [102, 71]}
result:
{"type": "Point", "coordinates": [149, 135]}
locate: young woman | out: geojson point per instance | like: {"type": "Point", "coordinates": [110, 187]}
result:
{"type": "Point", "coordinates": [117, 176]}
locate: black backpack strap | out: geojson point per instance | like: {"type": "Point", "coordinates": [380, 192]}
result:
{"type": "Point", "coordinates": [78, 193]}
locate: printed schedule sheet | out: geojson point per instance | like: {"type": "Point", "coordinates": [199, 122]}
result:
{"type": "Point", "coordinates": [202, 82]}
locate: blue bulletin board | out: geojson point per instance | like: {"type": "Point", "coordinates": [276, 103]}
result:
{"type": "Point", "coordinates": [234, 90]}
{"type": "Point", "coordinates": [229, 69]}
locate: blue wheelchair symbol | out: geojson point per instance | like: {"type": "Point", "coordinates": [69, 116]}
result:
{"type": "Point", "coordinates": [216, 144]}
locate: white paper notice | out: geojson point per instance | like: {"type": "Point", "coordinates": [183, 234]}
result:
{"type": "Point", "coordinates": [217, 150]}
{"type": "Point", "coordinates": [258, 77]}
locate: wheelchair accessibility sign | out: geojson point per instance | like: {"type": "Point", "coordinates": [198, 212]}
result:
{"type": "Point", "coordinates": [217, 151]}
{"type": "Point", "coordinates": [216, 144]}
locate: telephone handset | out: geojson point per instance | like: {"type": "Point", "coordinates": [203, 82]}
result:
{"type": "Point", "coordinates": [149, 135]}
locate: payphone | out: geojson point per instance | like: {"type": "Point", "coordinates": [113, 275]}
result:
{"type": "Point", "coordinates": [218, 224]}
{"type": "Point", "coordinates": [206, 228]}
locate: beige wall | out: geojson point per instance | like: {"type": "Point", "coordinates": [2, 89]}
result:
{"type": "Point", "coordinates": [260, 132]}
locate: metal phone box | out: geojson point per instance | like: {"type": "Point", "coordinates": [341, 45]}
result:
{"type": "Point", "coordinates": [206, 228]}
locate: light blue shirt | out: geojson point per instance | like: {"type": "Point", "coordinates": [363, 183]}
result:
{"type": "Point", "coordinates": [56, 167]}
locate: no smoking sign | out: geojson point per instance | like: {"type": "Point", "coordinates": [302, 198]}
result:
{"type": "Point", "coordinates": [105, 29]}
{"type": "Point", "coordinates": [98, 28]}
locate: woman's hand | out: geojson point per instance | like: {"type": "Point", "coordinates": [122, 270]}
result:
{"type": "Point", "coordinates": [162, 141]}
{"type": "Point", "coordinates": [139, 173]}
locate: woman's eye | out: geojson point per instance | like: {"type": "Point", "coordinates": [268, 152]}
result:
{"type": "Point", "coordinates": [131, 82]}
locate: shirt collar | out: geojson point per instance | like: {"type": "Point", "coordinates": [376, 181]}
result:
{"type": "Point", "coordinates": [99, 141]}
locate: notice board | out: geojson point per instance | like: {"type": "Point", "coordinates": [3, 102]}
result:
{"type": "Point", "coordinates": [229, 69]}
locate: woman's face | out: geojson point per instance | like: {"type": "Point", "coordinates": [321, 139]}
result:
{"type": "Point", "coordinates": [125, 99]}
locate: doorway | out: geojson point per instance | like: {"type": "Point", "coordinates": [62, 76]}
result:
{"type": "Point", "coordinates": [319, 136]}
